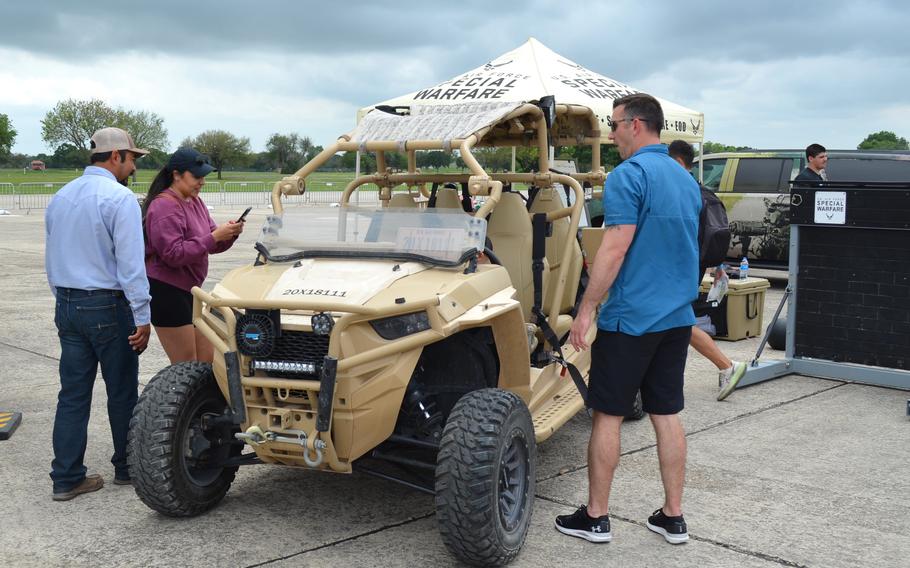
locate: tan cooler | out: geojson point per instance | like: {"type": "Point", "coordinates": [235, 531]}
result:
{"type": "Point", "coordinates": [745, 301]}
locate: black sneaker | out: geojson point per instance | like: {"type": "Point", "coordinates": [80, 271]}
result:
{"type": "Point", "coordinates": [673, 528]}
{"type": "Point", "coordinates": [583, 526]}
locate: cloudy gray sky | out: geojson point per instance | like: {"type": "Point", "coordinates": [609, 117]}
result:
{"type": "Point", "coordinates": [765, 74]}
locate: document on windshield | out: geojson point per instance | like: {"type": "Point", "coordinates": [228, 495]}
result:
{"type": "Point", "coordinates": [431, 241]}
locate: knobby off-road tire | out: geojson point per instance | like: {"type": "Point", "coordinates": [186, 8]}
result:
{"type": "Point", "coordinates": [172, 461]}
{"type": "Point", "coordinates": [485, 476]}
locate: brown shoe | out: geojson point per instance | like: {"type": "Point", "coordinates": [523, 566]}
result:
{"type": "Point", "coordinates": [92, 482]}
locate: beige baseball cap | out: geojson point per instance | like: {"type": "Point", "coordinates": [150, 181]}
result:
{"type": "Point", "coordinates": [111, 139]}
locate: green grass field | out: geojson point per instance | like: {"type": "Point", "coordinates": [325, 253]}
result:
{"type": "Point", "coordinates": [317, 181]}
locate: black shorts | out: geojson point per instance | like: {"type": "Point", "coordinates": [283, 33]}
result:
{"type": "Point", "coordinates": [171, 306]}
{"type": "Point", "coordinates": [623, 364]}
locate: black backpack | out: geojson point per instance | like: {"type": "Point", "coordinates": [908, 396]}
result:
{"type": "Point", "coordinates": [713, 230]}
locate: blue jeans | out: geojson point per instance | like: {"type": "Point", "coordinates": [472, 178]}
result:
{"type": "Point", "coordinates": [93, 326]}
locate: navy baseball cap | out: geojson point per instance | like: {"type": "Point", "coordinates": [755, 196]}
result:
{"type": "Point", "coordinates": [190, 160]}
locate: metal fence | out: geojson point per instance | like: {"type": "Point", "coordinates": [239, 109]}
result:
{"type": "Point", "coordinates": [8, 198]}
{"type": "Point", "coordinates": [140, 187]}
{"type": "Point", "coordinates": [34, 200]}
{"type": "Point", "coordinates": [244, 193]}
{"type": "Point", "coordinates": [31, 195]}
{"type": "Point", "coordinates": [39, 187]}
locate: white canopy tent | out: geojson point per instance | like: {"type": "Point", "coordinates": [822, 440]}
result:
{"type": "Point", "coordinates": [532, 71]}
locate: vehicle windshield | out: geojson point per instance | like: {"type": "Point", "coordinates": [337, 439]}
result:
{"type": "Point", "coordinates": [444, 237]}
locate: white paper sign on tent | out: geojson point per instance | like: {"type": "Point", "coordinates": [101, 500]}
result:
{"type": "Point", "coordinates": [431, 122]}
{"type": "Point", "coordinates": [532, 71]}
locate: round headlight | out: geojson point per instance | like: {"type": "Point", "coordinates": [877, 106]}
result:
{"type": "Point", "coordinates": [322, 323]}
{"type": "Point", "coordinates": [255, 334]}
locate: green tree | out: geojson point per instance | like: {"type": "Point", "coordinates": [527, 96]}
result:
{"type": "Point", "coordinates": [526, 159]}
{"type": "Point", "coordinates": [396, 161]}
{"type": "Point", "coordinates": [7, 136]}
{"type": "Point", "coordinates": [69, 156]}
{"type": "Point", "coordinates": [305, 147]}
{"type": "Point", "coordinates": [283, 151]}
{"type": "Point", "coordinates": [260, 162]}
{"type": "Point", "coordinates": [15, 160]}
{"type": "Point", "coordinates": [74, 121]}
{"type": "Point", "coordinates": [716, 147]}
{"type": "Point", "coordinates": [289, 152]}
{"type": "Point", "coordinates": [223, 148]}
{"type": "Point", "coordinates": [435, 159]}
{"type": "Point", "coordinates": [581, 155]}
{"type": "Point", "coordinates": [333, 164]}
{"type": "Point", "coordinates": [313, 152]}
{"type": "Point", "coordinates": [609, 156]}
{"type": "Point", "coordinates": [494, 159]}
{"type": "Point", "coordinates": [146, 128]}
{"type": "Point", "coordinates": [883, 140]}
{"type": "Point", "coordinates": [155, 160]}
{"type": "Point", "coordinates": [367, 162]}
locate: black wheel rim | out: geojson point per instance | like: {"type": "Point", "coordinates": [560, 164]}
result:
{"type": "Point", "coordinates": [202, 451]}
{"type": "Point", "coordinates": [514, 471]}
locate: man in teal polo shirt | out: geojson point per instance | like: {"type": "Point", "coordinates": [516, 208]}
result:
{"type": "Point", "coordinates": [648, 261]}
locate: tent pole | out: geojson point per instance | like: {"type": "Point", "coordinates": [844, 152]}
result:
{"type": "Point", "coordinates": [701, 162]}
{"type": "Point", "coordinates": [513, 158]}
{"type": "Point", "coordinates": [357, 172]}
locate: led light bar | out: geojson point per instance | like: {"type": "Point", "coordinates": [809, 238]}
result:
{"type": "Point", "coordinates": [285, 366]}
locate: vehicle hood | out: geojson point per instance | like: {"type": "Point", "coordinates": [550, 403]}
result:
{"type": "Point", "coordinates": [353, 282]}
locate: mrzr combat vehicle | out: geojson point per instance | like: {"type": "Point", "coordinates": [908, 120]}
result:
{"type": "Point", "coordinates": [420, 341]}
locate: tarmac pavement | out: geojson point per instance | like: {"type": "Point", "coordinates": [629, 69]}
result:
{"type": "Point", "coordinates": [794, 472]}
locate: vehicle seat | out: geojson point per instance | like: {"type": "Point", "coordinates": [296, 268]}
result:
{"type": "Point", "coordinates": [509, 231]}
{"type": "Point", "coordinates": [447, 198]}
{"type": "Point", "coordinates": [548, 200]}
{"type": "Point", "coordinates": [402, 200]}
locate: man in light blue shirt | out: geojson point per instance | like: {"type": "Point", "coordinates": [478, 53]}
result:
{"type": "Point", "coordinates": [648, 261]}
{"type": "Point", "coordinates": [95, 264]}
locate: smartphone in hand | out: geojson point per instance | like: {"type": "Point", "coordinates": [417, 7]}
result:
{"type": "Point", "coordinates": [245, 213]}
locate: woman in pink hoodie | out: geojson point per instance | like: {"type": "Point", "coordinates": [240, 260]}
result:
{"type": "Point", "coordinates": [179, 237]}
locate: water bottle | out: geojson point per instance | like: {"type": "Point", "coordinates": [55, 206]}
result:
{"type": "Point", "coordinates": [744, 269]}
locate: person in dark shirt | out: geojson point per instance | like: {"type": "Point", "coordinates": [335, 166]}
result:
{"type": "Point", "coordinates": [729, 371]}
{"type": "Point", "coordinates": [817, 157]}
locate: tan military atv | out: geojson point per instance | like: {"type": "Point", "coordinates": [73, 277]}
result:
{"type": "Point", "coordinates": [381, 340]}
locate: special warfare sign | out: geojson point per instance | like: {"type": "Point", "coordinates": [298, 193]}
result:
{"type": "Point", "coordinates": [492, 83]}
{"type": "Point", "coordinates": [474, 86]}
{"type": "Point", "coordinates": [831, 207]}
{"type": "Point", "coordinates": [533, 71]}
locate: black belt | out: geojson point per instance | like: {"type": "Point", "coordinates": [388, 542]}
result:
{"type": "Point", "coordinates": [77, 293]}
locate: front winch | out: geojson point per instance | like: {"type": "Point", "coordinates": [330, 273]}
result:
{"type": "Point", "coordinates": [254, 436]}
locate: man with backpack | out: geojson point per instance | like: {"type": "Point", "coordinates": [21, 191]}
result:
{"type": "Point", "coordinates": [713, 242]}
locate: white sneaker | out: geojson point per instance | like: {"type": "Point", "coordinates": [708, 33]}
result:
{"type": "Point", "coordinates": [729, 378]}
